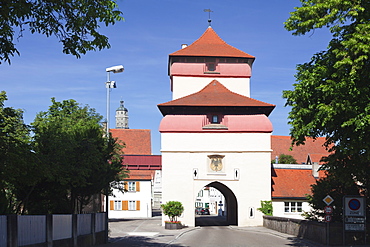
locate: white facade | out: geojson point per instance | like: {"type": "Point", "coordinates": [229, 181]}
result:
{"type": "Point", "coordinates": [290, 208]}
{"type": "Point", "coordinates": [184, 85]}
{"type": "Point", "coordinates": [135, 203]}
{"type": "Point", "coordinates": [248, 154]}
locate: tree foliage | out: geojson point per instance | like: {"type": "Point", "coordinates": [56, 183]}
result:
{"type": "Point", "coordinates": [332, 97]}
{"type": "Point", "coordinates": [266, 208]}
{"type": "Point", "coordinates": [73, 22]}
{"type": "Point", "coordinates": [285, 159]}
{"type": "Point", "coordinates": [78, 160]}
{"type": "Point", "coordinates": [17, 162]}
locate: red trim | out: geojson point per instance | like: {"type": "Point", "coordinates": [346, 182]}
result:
{"type": "Point", "coordinates": [211, 75]}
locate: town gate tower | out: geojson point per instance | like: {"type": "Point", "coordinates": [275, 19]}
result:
{"type": "Point", "coordinates": [213, 134]}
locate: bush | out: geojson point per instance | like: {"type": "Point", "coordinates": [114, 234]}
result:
{"type": "Point", "coordinates": [266, 207]}
{"type": "Point", "coordinates": [172, 209]}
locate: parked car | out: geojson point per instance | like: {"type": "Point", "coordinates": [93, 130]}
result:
{"type": "Point", "coordinates": [202, 211]}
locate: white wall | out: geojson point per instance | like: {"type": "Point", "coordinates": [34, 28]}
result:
{"type": "Point", "coordinates": [144, 196]}
{"type": "Point", "coordinates": [248, 152]}
{"type": "Point", "coordinates": [183, 86]}
{"type": "Point", "coordinates": [278, 209]}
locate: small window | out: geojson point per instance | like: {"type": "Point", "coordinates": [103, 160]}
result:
{"type": "Point", "coordinates": [215, 119]}
{"type": "Point", "coordinates": [117, 205]}
{"type": "Point", "coordinates": [131, 205]}
{"type": "Point", "coordinates": [131, 186]}
{"type": "Point", "coordinates": [211, 67]}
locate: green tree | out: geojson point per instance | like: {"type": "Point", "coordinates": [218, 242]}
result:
{"type": "Point", "coordinates": [285, 159]}
{"type": "Point", "coordinates": [78, 160]}
{"type": "Point", "coordinates": [17, 162]}
{"type": "Point", "coordinates": [332, 97]}
{"type": "Point", "coordinates": [73, 22]}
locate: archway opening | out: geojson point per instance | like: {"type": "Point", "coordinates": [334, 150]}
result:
{"type": "Point", "coordinates": [216, 205]}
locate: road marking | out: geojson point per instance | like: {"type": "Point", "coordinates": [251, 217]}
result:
{"type": "Point", "coordinates": [144, 234]}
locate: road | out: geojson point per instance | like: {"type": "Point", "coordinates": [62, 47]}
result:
{"type": "Point", "coordinates": [149, 232]}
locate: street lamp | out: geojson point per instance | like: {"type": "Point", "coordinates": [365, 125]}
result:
{"type": "Point", "coordinates": [109, 84]}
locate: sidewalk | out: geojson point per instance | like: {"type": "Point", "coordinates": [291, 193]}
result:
{"type": "Point", "coordinates": [142, 232]}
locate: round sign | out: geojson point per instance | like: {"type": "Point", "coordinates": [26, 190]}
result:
{"type": "Point", "coordinates": [354, 204]}
{"type": "Point", "coordinates": [328, 218]}
{"type": "Point", "coordinates": [328, 209]}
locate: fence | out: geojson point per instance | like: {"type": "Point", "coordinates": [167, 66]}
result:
{"type": "Point", "coordinates": [52, 230]}
{"type": "Point", "coordinates": [320, 232]}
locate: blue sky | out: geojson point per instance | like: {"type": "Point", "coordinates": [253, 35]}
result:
{"type": "Point", "coordinates": [151, 31]}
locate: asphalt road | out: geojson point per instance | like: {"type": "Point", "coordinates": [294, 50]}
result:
{"type": "Point", "coordinates": [210, 231]}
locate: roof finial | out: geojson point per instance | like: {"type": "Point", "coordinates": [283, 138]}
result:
{"type": "Point", "coordinates": [209, 16]}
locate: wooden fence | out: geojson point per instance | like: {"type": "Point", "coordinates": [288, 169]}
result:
{"type": "Point", "coordinates": [53, 230]}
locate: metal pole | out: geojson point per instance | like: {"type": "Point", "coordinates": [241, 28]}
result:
{"type": "Point", "coordinates": [107, 85]}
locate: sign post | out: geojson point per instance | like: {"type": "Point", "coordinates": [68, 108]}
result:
{"type": "Point", "coordinates": [328, 211]}
{"type": "Point", "coordinates": [354, 215]}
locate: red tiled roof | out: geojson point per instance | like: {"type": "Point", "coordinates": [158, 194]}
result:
{"type": "Point", "coordinates": [142, 162]}
{"type": "Point", "coordinates": [282, 144]}
{"type": "Point", "coordinates": [216, 94]}
{"type": "Point", "coordinates": [211, 45]}
{"type": "Point", "coordinates": [140, 175]}
{"type": "Point", "coordinates": [290, 183]}
{"type": "Point", "coordinates": [137, 141]}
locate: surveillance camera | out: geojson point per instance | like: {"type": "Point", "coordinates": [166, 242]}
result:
{"type": "Point", "coordinates": [115, 69]}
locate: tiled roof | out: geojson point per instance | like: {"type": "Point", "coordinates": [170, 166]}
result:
{"type": "Point", "coordinates": [211, 45]}
{"type": "Point", "coordinates": [282, 145]}
{"type": "Point", "coordinates": [140, 175]}
{"type": "Point", "coordinates": [137, 141]}
{"type": "Point", "coordinates": [291, 183]}
{"type": "Point", "coordinates": [216, 94]}
{"type": "Point", "coordinates": [142, 162]}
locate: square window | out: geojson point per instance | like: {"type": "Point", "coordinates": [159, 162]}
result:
{"type": "Point", "coordinates": [117, 205]}
{"type": "Point", "coordinates": [211, 67]}
{"type": "Point", "coordinates": [131, 205]}
{"type": "Point", "coordinates": [131, 186]}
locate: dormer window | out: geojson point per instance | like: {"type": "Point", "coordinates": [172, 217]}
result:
{"type": "Point", "coordinates": [211, 67]}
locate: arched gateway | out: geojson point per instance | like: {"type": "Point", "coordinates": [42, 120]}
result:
{"type": "Point", "coordinates": [213, 133]}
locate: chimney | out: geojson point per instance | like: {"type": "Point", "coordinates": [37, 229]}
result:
{"type": "Point", "coordinates": [184, 46]}
{"type": "Point", "coordinates": [315, 169]}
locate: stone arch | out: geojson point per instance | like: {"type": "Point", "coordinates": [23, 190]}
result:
{"type": "Point", "coordinates": [231, 201]}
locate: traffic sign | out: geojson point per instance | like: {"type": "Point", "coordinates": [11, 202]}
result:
{"type": "Point", "coordinates": [328, 200]}
{"type": "Point", "coordinates": [328, 218]}
{"type": "Point", "coordinates": [328, 209]}
{"type": "Point", "coordinates": [354, 227]}
{"type": "Point", "coordinates": [354, 206]}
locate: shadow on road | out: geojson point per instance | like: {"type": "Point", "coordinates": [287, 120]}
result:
{"type": "Point", "coordinates": [210, 220]}
{"type": "Point", "coordinates": [138, 241]}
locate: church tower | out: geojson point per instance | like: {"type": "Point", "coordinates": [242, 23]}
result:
{"type": "Point", "coordinates": [213, 134]}
{"type": "Point", "coordinates": [121, 117]}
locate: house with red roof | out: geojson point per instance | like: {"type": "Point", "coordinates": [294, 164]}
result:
{"type": "Point", "coordinates": [142, 187]}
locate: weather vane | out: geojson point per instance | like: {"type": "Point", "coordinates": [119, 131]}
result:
{"type": "Point", "coordinates": [209, 16]}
